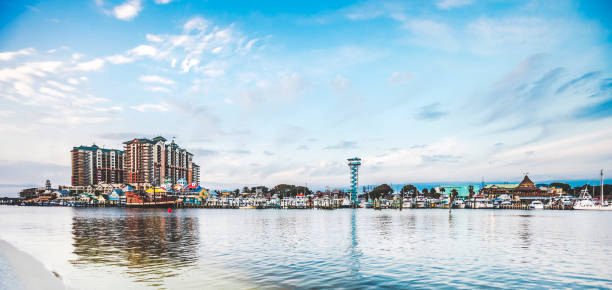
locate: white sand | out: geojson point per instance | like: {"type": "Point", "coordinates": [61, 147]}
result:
{"type": "Point", "coordinates": [19, 270]}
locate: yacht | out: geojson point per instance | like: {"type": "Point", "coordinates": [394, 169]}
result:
{"type": "Point", "coordinates": [585, 201]}
{"type": "Point", "coordinates": [536, 204]}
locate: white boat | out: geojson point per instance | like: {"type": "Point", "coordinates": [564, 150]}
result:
{"type": "Point", "coordinates": [406, 203]}
{"type": "Point", "coordinates": [585, 201]}
{"type": "Point", "coordinates": [458, 204]}
{"type": "Point", "coordinates": [536, 204]}
{"type": "Point", "coordinates": [420, 203]}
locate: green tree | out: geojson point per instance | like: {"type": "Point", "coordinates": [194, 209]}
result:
{"type": "Point", "coordinates": [383, 190]}
{"type": "Point", "coordinates": [245, 189]}
{"type": "Point", "coordinates": [409, 189]}
{"type": "Point", "coordinates": [288, 190]}
{"type": "Point", "coordinates": [425, 192]}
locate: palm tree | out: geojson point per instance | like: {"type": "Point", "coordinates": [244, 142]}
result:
{"type": "Point", "coordinates": [472, 193]}
{"type": "Point", "coordinates": [451, 197]}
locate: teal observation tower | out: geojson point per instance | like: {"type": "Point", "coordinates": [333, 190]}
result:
{"type": "Point", "coordinates": [353, 164]}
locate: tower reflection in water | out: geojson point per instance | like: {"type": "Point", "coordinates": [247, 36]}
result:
{"type": "Point", "coordinates": [148, 246]}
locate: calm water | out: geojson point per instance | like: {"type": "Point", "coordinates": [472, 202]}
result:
{"type": "Point", "coordinates": [196, 248]}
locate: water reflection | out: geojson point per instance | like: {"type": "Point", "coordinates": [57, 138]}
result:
{"type": "Point", "coordinates": [149, 246]}
{"type": "Point", "coordinates": [354, 251]}
{"type": "Point", "coordinates": [383, 225]}
{"type": "Point", "coordinates": [525, 232]}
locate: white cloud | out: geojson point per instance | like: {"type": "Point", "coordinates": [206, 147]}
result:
{"type": "Point", "coordinates": [127, 10]}
{"type": "Point", "coordinates": [61, 86]}
{"type": "Point", "coordinates": [159, 90]}
{"type": "Point", "coordinates": [144, 50]}
{"type": "Point", "coordinates": [162, 1]}
{"type": "Point", "coordinates": [199, 41]}
{"type": "Point", "coordinates": [73, 81]}
{"type": "Point", "coordinates": [155, 79]}
{"type": "Point", "coordinates": [51, 92]}
{"type": "Point", "coordinates": [151, 108]}
{"type": "Point", "coordinates": [188, 63]}
{"type": "Point", "coordinates": [119, 59]}
{"type": "Point", "coordinates": [28, 71]}
{"type": "Point", "coordinates": [216, 50]}
{"type": "Point", "coordinates": [4, 56]}
{"type": "Point", "coordinates": [153, 38]}
{"type": "Point", "coordinates": [197, 23]}
{"type": "Point", "coordinates": [249, 44]}
{"type": "Point", "coordinates": [494, 35]}
{"type": "Point", "coordinates": [92, 65]}
{"type": "Point", "coordinates": [450, 4]}
{"type": "Point", "coordinates": [77, 56]}
{"type": "Point", "coordinates": [23, 89]}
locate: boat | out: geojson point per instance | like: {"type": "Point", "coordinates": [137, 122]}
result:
{"type": "Point", "coordinates": [406, 203]}
{"type": "Point", "coordinates": [458, 204]}
{"type": "Point", "coordinates": [421, 203]}
{"type": "Point", "coordinates": [586, 202]}
{"type": "Point", "coordinates": [536, 204]}
{"type": "Point", "coordinates": [247, 207]}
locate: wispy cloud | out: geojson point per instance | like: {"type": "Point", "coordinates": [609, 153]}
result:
{"type": "Point", "coordinates": [151, 108]}
{"type": "Point", "coordinates": [155, 79]}
{"type": "Point", "coordinates": [578, 81]}
{"type": "Point", "coordinates": [432, 34]}
{"type": "Point", "coordinates": [342, 145]}
{"type": "Point", "coordinates": [9, 55]}
{"type": "Point", "coordinates": [92, 65]}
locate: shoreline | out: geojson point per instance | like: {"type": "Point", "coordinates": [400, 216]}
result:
{"type": "Point", "coordinates": [23, 271]}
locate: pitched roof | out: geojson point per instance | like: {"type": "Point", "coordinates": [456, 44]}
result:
{"type": "Point", "coordinates": [526, 183]}
{"type": "Point", "coordinates": [139, 140]}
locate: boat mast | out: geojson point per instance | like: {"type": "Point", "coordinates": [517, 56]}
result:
{"type": "Point", "coordinates": [601, 188]}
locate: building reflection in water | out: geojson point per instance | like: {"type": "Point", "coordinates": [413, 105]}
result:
{"type": "Point", "coordinates": [149, 246]}
{"type": "Point", "coordinates": [354, 252]}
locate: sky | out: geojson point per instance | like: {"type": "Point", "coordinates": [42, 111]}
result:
{"type": "Point", "coordinates": [269, 92]}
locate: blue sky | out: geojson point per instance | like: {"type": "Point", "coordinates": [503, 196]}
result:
{"type": "Point", "coordinates": [284, 91]}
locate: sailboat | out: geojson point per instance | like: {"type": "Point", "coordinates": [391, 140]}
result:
{"type": "Point", "coordinates": [585, 201]}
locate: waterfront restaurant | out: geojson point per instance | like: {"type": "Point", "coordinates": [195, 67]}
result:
{"type": "Point", "coordinates": [524, 191]}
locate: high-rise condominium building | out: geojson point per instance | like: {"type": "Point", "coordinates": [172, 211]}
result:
{"type": "Point", "coordinates": [92, 165]}
{"type": "Point", "coordinates": [153, 161]}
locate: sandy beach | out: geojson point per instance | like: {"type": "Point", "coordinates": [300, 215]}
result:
{"type": "Point", "coordinates": [19, 270]}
